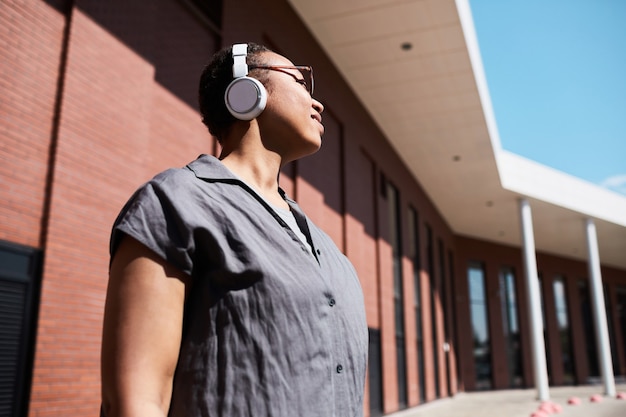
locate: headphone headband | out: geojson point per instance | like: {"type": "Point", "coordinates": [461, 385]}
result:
{"type": "Point", "coordinates": [240, 66]}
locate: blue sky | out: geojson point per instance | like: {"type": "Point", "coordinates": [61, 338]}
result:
{"type": "Point", "coordinates": [556, 71]}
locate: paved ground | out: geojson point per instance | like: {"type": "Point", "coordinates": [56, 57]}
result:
{"type": "Point", "coordinates": [522, 403]}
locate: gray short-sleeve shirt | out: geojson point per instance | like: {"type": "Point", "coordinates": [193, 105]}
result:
{"type": "Point", "coordinates": [269, 329]}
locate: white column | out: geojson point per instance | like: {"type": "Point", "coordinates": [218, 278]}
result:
{"type": "Point", "coordinates": [540, 369]}
{"type": "Point", "coordinates": [599, 311]}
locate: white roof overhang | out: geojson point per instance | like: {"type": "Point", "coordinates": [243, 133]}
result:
{"type": "Point", "coordinates": [433, 104]}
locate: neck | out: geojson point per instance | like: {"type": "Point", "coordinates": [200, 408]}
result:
{"type": "Point", "coordinates": [245, 155]}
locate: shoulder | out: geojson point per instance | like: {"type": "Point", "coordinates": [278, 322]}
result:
{"type": "Point", "coordinates": [183, 180]}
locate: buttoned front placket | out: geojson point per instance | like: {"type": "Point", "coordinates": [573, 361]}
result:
{"type": "Point", "coordinates": [304, 227]}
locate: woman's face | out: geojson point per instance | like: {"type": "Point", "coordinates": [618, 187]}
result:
{"type": "Point", "coordinates": [291, 123]}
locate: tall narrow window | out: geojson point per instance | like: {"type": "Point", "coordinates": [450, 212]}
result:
{"type": "Point", "coordinates": [546, 341]}
{"type": "Point", "coordinates": [589, 328]}
{"type": "Point", "coordinates": [395, 239]}
{"type": "Point", "coordinates": [562, 318]}
{"type": "Point", "coordinates": [443, 278]}
{"type": "Point", "coordinates": [543, 307]}
{"type": "Point", "coordinates": [480, 324]}
{"type": "Point", "coordinates": [430, 251]}
{"type": "Point", "coordinates": [413, 223]}
{"type": "Point", "coordinates": [508, 297]}
{"type": "Point", "coordinates": [375, 372]}
{"type": "Point", "coordinates": [453, 312]}
{"type": "Point", "coordinates": [374, 364]}
{"type": "Point", "coordinates": [609, 324]}
{"type": "Point", "coordinates": [621, 312]}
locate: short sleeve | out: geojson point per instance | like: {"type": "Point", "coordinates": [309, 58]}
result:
{"type": "Point", "coordinates": [154, 217]}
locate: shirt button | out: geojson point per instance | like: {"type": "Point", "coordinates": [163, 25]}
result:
{"type": "Point", "coordinates": [339, 369]}
{"type": "Point", "coordinates": [319, 252]}
{"type": "Point", "coordinates": [331, 302]}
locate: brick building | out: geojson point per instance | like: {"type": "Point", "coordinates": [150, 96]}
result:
{"type": "Point", "coordinates": [411, 183]}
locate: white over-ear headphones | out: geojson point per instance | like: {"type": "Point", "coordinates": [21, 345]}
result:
{"type": "Point", "coordinates": [245, 97]}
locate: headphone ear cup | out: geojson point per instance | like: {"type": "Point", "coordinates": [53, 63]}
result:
{"type": "Point", "coordinates": [245, 98]}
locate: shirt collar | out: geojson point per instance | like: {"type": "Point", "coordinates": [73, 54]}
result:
{"type": "Point", "coordinates": [209, 168]}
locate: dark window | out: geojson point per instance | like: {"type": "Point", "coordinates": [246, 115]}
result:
{"type": "Point", "coordinates": [563, 323]}
{"type": "Point", "coordinates": [589, 328]}
{"type": "Point", "coordinates": [443, 278]}
{"type": "Point", "coordinates": [413, 223]}
{"type": "Point", "coordinates": [395, 240]}
{"type": "Point", "coordinates": [455, 330]}
{"type": "Point", "coordinates": [546, 340]}
{"type": "Point", "coordinates": [375, 373]}
{"type": "Point", "coordinates": [19, 285]}
{"type": "Point", "coordinates": [609, 324]}
{"type": "Point", "coordinates": [543, 308]}
{"type": "Point", "coordinates": [621, 312]}
{"type": "Point", "coordinates": [480, 325]}
{"type": "Point", "coordinates": [430, 254]}
{"type": "Point", "coordinates": [510, 320]}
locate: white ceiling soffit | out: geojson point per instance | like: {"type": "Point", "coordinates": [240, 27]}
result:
{"type": "Point", "coordinates": [433, 104]}
{"type": "Point", "coordinates": [563, 203]}
{"type": "Point", "coordinates": [538, 181]}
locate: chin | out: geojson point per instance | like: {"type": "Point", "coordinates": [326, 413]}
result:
{"type": "Point", "coordinates": [317, 144]}
{"type": "Point", "coordinates": [311, 148]}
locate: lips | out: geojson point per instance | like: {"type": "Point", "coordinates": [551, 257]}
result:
{"type": "Point", "coordinates": [317, 117]}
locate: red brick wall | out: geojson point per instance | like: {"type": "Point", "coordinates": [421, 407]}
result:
{"type": "Point", "coordinates": [127, 110]}
{"type": "Point", "coordinates": [549, 267]}
{"type": "Point", "coordinates": [615, 280]}
{"type": "Point", "coordinates": [410, 332]}
{"type": "Point", "coordinates": [319, 187]}
{"type": "Point", "coordinates": [118, 127]}
{"type": "Point", "coordinates": [31, 38]}
{"type": "Point", "coordinates": [573, 272]}
{"type": "Point", "coordinates": [495, 256]}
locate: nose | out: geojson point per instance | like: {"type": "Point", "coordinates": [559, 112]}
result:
{"type": "Point", "coordinates": [318, 106]}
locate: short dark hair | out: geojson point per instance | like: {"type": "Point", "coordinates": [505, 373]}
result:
{"type": "Point", "coordinates": [213, 82]}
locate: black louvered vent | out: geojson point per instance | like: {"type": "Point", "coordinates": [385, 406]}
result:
{"type": "Point", "coordinates": [12, 303]}
{"type": "Point", "coordinates": [19, 282]}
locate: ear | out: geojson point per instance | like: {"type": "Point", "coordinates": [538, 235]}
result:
{"type": "Point", "coordinates": [245, 97]}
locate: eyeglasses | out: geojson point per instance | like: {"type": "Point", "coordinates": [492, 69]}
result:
{"type": "Point", "coordinates": [306, 71]}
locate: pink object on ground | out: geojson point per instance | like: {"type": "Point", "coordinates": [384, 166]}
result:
{"type": "Point", "coordinates": [621, 396]}
{"type": "Point", "coordinates": [551, 407]}
{"type": "Point", "coordinates": [546, 407]}
{"type": "Point", "coordinates": [539, 413]}
{"type": "Point", "coordinates": [574, 401]}
{"type": "Point", "coordinates": [596, 398]}
{"type": "Point", "coordinates": [557, 409]}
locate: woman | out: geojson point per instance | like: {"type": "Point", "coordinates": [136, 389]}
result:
{"type": "Point", "coordinates": [223, 298]}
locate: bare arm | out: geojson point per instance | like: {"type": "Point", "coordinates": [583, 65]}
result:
{"type": "Point", "coordinates": [142, 332]}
